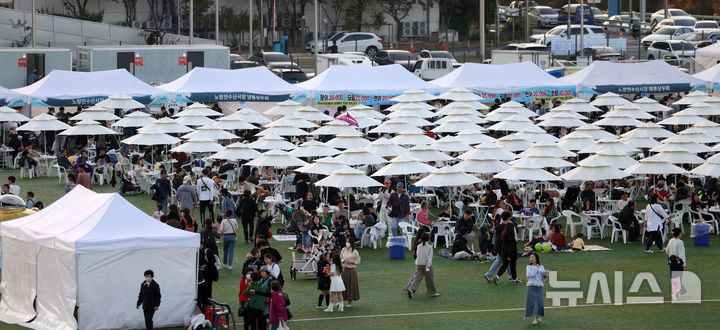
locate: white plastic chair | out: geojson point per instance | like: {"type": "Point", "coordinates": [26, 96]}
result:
{"type": "Point", "coordinates": [535, 223]}
{"type": "Point", "coordinates": [408, 231]}
{"type": "Point", "coordinates": [444, 231]}
{"type": "Point", "coordinates": [569, 223]}
{"type": "Point", "coordinates": [590, 224]}
{"type": "Point", "coordinates": [617, 229]}
{"type": "Point", "coordinates": [700, 216]}
{"type": "Point", "coordinates": [61, 171]}
{"type": "Point", "coordinates": [366, 238]}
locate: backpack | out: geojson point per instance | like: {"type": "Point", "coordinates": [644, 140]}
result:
{"type": "Point", "coordinates": [212, 266]}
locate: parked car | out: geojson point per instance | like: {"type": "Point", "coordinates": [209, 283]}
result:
{"type": "Point", "coordinates": [703, 43]}
{"type": "Point", "coordinates": [672, 51]}
{"type": "Point", "coordinates": [267, 58]}
{"type": "Point", "coordinates": [599, 14]}
{"type": "Point", "coordinates": [289, 72]}
{"type": "Point", "coordinates": [560, 32]}
{"type": "Point", "coordinates": [521, 4]}
{"type": "Point", "coordinates": [402, 57]}
{"type": "Point", "coordinates": [667, 33]}
{"type": "Point", "coordinates": [438, 54]}
{"type": "Point", "coordinates": [366, 42]}
{"type": "Point", "coordinates": [526, 46]}
{"type": "Point", "coordinates": [310, 45]}
{"type": "Point", "coordinates": [242, 64]}
{"type": "Point", "coordinates": [575, 14]}
{"type": "Point", "coordinates": [542, 16]}
{"type": "Point", "coordinates": [699, 36]}
{"type": "Point", "coordinates": [432, 68]}
{"type": "Point", "coordinates": [600, 53]}
{"type": "Point", "coordinates": [659, 15]}
{"type": "Point", "coordinates": [707, 26]}
{"type": "Point", "coordinates": [618, 22]}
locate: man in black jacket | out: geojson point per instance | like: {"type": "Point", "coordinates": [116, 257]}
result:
{"type": "Point", "coordinates": [149, 298]}
{"type": "Point", "coordinates": [629, 222]}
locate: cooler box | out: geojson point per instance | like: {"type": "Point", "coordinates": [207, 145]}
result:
{"type": "Point", "coordinates": [701, 234]}
{"type": "Point", "coordinates": [397, 247]}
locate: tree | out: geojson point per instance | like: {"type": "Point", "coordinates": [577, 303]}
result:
{"type": "Point", "coordinates": [354, 16]}
{"type": "Point", "coordinates": [130, 8]}
{"type": "Point", "coordinates": [398, 10]}
{"type": "Point", "coordinates": [156, 15]}
{"type": "Point", "coordinates": [78, 9]}
{"type": "Point", "coordinates": [25, 30]}
{"type": "Point", "coordinates": [338, 7]}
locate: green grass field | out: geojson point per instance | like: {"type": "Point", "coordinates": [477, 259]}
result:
{"type": "Point", "coordinates": [467, 300]}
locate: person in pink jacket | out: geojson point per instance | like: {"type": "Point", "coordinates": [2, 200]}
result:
{"type": "Point", "coordinates": [278, 306]}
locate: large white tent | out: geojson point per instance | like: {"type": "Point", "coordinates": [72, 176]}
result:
{"type": "Point", "coordinates": [707, 57]}
{"type": "Point", "coordinates": [77, 88]}
{"type": "Point", "coordinates": [7, 95]}
{"type": "Point", "coordinates": [368, 85]}
{"type": "Point", "coordinates": [90, 250]}
{"type": "Point", "coordinates": [256, 84]}
{"type": "Point", "coordinates": [489, 81]}
{"type": "Point", "coordinates": [712, 74]}
{"type": "Point", "coordinates": [637, 77]}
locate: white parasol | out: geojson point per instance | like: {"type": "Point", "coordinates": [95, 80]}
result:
{"type": "Point", "coordinates": [95, 113]}
{"type": "Point", "coordinates": [236, 151]}
{"type": "Point", "coordinates": [314, 148]}
{"type": "Point", "coordinates": [276, 158]}
{"type": "Point", "coordinates": [120, 101]}
{"type": "Point", "coordinates": [447, 176]}
{"type": "Point", "coordinates": [385, 148]}
{"type": "Point", "coordinates": [270, 142]}
{"type": "Point", "coordinates": [198, 146]}
{"type": "Point", "coordinates": [88, 127]}
{"type": "Point", "coordinates": [135, 119]}
{"type": "Point", "coordinates": [324, 166]}
{"type": "Point", "coordinates": [404, 165]}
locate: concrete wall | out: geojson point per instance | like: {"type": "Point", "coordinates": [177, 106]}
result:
{"type": "Point", "coordinates": [13, 76]}
{"type": "Point", "coordinates": [160, 64]}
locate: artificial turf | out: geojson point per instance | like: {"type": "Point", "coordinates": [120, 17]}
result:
{"type": "Point", "coordinates": [467, 301]}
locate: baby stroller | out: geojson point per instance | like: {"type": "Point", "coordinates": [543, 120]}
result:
{"type": "Point", "coordinates": [570, 197]}
{"type": "Point", "coordinates": [128, 185]}
{"type": "Point", "coordinates": [294, 219]}
{"type": "Point", "coordinates": [307, 264]}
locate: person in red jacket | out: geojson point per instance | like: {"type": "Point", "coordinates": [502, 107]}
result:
{"type": "Point", "coordinates": [278, 306]}
{"type": "Point", "coordinates": [244, 283]}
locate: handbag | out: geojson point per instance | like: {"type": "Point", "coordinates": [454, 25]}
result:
{"type": "Point", "coordinates": [283, 326]}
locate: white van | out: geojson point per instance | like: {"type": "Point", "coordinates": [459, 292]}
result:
{"type": "Point", "coordinates": [432, 68]}
{"type": "Point", "coordinates": [325, 61]}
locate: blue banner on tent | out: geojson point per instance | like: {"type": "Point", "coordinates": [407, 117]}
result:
{"type": "Point", "coordinates": [529, 94]}
{"type": "Point", "coordinates": [243, 97]}
{"type": "Point", "coordinates": [88, 101]}
{"type": "Point", "coordinates": [353, 98]}
{"type": "Point", "coordinates": [646, 88]}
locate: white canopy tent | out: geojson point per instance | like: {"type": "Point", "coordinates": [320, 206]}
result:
{"type": "Point", "coordinates": [255, 84]}
{"type": "Point", "coordinates": [489, 81]}
{"type": "Point", "coordinates": [63, 87]}
{"type": "Point", "coordinates": [90, 250]}
{"type": "Point", "coordinates": [637, 77]}
{"type": "Point", "coordinates": [366, 83]}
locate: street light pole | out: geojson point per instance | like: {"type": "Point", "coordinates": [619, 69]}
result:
{"type": "Point", "coordinates": [316, 34]}
{"type": "Point", "coordinates": [217, 22]}
{"type": "Point", "coordinates": [33, 23]}
{"type": "Point", "coordinates": [527, 23]}
{"type": "Point", "coordinates": [482, 29]}
{"type": "Point", "coordinates": [582, 26]}
{"type": "Point", "coordinates": [250, 44]}
{"type": "Point", "coordinates": [191, 21]}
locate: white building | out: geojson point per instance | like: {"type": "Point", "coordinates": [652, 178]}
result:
{"type": "Point", "coordinates": [416, 25]}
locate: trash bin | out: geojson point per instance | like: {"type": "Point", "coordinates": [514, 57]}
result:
{"type": "Point", "coordinates": [397, 247]}
{"type": "Point", "coordinates": [701, 234]}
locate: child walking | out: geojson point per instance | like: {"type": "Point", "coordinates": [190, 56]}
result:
{"type": "Point", "coordinates": [278, 306]}
{"type": "Point", "coordinates": [323, 270]}
{"type": "Point", "coordinates": [336, 284]}
{"type": "Point", "coordinates": [158, 212]}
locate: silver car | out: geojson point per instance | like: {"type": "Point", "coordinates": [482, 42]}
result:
{"type": "Point", "coordinates": [542, 16]}
{"type": "Point", "coordinates": [672, 51]}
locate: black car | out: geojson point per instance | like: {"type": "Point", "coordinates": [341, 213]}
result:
{"type": "Point", "coordinates": [402, 57]}
{"type": "Point", "coordinates": [267, 58]}
{"type": "Point", "coordinates": [289, 72]}
{"type": "Point", "coordinates": [241, 64]}
{"type": "Point", "coordinates": [600, 53]}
